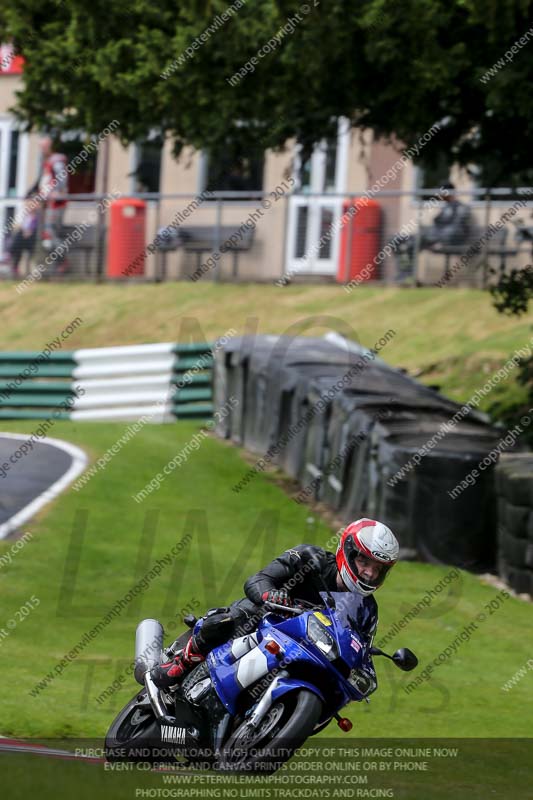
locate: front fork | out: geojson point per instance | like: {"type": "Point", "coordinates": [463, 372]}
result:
{"type": "Point", "coordinates": [266, 701]}
{"type": "Point", "coordinates": [158, 707]}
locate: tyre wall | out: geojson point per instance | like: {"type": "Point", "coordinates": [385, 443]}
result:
{"type": "Point", "coordinates": [514, 487]}
{"type": "Point", "coordinates": [367, 440]}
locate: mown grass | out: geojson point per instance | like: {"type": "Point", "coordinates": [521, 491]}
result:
{"type": "Point", "coordinates": [454, 336]}
{"type": "Point", "coordinates": [477, 770]}
{"type": "Point", "coordinates": [232, 535]}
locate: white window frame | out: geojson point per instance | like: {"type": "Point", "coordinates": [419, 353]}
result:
{"type": "Point", "coordinates": [7, 125]}
{"type": "Point", "coordinates": [310, 264]}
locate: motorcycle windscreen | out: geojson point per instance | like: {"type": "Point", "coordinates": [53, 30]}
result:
{"type": "Point", "coordinates": [354, 612]}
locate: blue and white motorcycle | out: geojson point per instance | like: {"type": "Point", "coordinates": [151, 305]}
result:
{"type": "Point", "coordinates": [256, 699]}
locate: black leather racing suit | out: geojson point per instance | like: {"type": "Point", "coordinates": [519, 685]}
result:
{"type": "Point", "coordinates": [294, 570]}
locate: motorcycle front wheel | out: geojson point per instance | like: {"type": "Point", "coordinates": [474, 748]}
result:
{"type": "Point", "coordinates": [135, 734]}
{"type": "Point", "coordinates": [284, 728]}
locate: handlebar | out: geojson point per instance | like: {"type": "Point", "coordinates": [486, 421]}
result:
{"type": "Point", "coordinates": [296, 610]}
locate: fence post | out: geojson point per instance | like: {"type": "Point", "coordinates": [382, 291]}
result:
{"type": "Point", "coordinates": [100, 245]}
{"type": "Point", "coordinates": [348, 252]}
{"type": "Point", "coordinates": [485, 264]}
{"type": "Point", "coordinates": [103, 232]}
{"type": "Point", "coordinates": [285, 246]}
{"type": "Point", "coordinates": [218, 224]}
{"type": "Point", "coordinates": [416, 250]}
{"type": "Point", "coordinates": [158, 271]}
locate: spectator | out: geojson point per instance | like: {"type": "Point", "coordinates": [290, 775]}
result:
{"type": "Point", "coordinates": [452, 226]}
{"type": "Point", "coordinates": [22, 238]}
{"type": "Point", "coordinates": [51, 185]}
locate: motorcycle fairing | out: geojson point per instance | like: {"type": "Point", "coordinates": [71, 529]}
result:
{"type": "Point", "coordinates": [231, 675]}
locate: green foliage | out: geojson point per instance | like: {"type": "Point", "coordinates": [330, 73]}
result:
{"type": "Point", "coordinates": [511, 296]}
{"type": "Point", "coordinates": [395, 67]}
{"type": "Point", "coordinates": [513, 291]}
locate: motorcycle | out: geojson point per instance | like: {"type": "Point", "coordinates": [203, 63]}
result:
{"type": "Point", "coordinates": [257, 698]}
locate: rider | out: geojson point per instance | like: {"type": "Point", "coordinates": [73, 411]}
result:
{"type": "Point", "coordinates": [366, 552]}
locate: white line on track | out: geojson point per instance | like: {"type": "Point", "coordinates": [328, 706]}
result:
{"type": "Point", "coordinates": [79, 462]}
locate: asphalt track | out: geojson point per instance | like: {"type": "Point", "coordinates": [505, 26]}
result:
{"type": "Point", "coordinates": [8, 745]}
{"type": "Point", "coordinates": [32, 476]}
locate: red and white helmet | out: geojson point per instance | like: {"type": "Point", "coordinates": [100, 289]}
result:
{"type": "Point", "coordinates": [370, 538]}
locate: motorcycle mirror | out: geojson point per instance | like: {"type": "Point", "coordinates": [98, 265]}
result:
{"type": "Point", "coordinates": [405, 659]}
{"type": "Point", "coordinates": [330, 601]}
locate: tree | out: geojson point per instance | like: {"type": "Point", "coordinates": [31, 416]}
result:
{"type": "Point", "coordinates": [511, 295]}
{"type": "Point", "coordinates": [192, 69]}
{"type": "Point", "coordinates": [394, 67]}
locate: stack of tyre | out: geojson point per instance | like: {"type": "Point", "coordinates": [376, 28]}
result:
{"type": "Point", "coordinates": [344, 424]}
{"type": "Point", "coordinates": [514, 481]}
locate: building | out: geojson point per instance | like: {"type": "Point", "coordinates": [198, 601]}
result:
{"type": "Point", "coordinates": [298, 235]}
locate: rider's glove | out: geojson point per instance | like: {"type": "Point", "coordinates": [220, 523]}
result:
{"type": "Point", "coordinates": [279, 596]}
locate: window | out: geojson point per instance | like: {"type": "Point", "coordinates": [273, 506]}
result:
{"type": "Point", "coordinates": [330, 171]}
{"type": "Point", "coordinates": [435, 174]}
{"type": "Point", "coordinates": [231, 169]}
{"type": "Point", "coordinates": [13, 162]}
{"type": "Point", "coordinates": [318, 171]}
{"type": "Point", "coordinates": [13, 175]}
{"type": "Point", "coordinates": [315, 207]}
{"type": "Point", "coordinates": [147, 171]}
{"type": "Point", "coordinates": [82, 180]}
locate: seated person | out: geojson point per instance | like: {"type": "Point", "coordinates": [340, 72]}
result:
{"type": "Point", "coordinates": [452, 227]}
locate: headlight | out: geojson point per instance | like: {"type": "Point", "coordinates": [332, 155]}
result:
{"type": "Point", "coordinates": [322, 639]}
{"type": "Point", "coordinates": [363, 681]}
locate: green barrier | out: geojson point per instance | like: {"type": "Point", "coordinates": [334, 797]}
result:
{"type": "Point", "coordinates": [13, 414]}
{"type": "Point", "coordinates": [39, 389]}
{"type": "Point", "coordinates": [199, 379]}
{"type": "Point", "coordinates": [193, 347]}
{"type": "Point", "coordinates": [194, 410]}
{"type": "Point", "coordinates": [35, 400]}
{"type": "Point", "coordinates": [36, 386]}
{"type": "Point", "coordinates": [188, 395]}
{"type": "Point", "coordinates": [14, 371]}
{"type": "Point", "coordinates": [183, 364]}
{"type": "Point", "coordinates": [31, 356]}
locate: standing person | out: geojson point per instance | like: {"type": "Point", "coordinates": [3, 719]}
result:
{"type": "Point", "coordinates": [51, 185]}
{"type": "Point", "coordinates": [24, 234]}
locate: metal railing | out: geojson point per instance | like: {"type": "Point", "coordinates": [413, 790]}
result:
{"type": "Point", "coordinates": [283, 236]}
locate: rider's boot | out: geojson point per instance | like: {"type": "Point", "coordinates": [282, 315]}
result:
{"type": "Point", "coordinates": [167, 675]}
